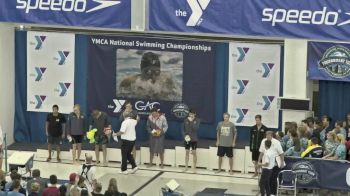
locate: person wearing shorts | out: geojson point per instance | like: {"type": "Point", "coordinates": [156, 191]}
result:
{"type": "Point", "coordinates": [76, 127]}
{"type": "Point", "coordinates": [101, 123]}
{"type": "Point", "coordinates": [226, 140]}
{"type": "Point", "coordinates": [55, 124]}
{"type": "Point", "coordinates": [190, 131]}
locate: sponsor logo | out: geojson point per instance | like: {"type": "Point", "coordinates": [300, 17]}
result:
{"type": "Point", "coordinates": [118, 105]}
{"type": "Point", "coordinates": [242, 53]}
{"type": "Point", "coordinates": [39, 72]}
{"type": "Point", "coordinates": [305, 171]}
{"type": "Point", "coordinates": [241, 114]}
{"type": "Point", "coordinates": [242, 86]}
{"type": "Point", "coordinates": [180, 110]}
{"type": "Point", "coordinates": [144, 106]}
{"type": "Point", "coordinates": [79, 6]}
{"type": "Point", "coordinates": [267, 102]}
{"type": "Point", "coordinates": [336, 61]}
{"type": "Point", "coordinates": [39, 42]}
{"type": "Point", "coordinates": [62, 57]}
{"type": "Point", "coordinates": [197, 9]}
{"type": "Point", "coordinates": [306, 17]}
{"type": "Point", "coordinates": [39, 101]}
{"type": "Point", "coordinates": [63, 88]}
{"type": "Point", "coordinates": [267, 69]}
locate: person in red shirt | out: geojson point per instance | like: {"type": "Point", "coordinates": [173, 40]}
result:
{"type": "Point", "coordinates": [52, 189]}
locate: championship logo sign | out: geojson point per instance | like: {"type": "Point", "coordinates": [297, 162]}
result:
{"type": "Point", "coordinates": [336, 61]}
{"type": "Point", "coordinates": [305, 171]}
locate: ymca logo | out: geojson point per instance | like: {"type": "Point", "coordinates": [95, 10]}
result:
{"type": "Point", "coordinates": [197, 8]}
{"type": "Point", "coordinates": [64, 88]}
{"type": "Point", "coordinates": [242, 86]}
{"type": "Point", "coordinates": [267, 69]}
{"type": "Point", "coordinates": [267, 102]}
{"type": "Point", "coordinates": [39, 73]}
{"type": "Point", "coordinates": [242, 53]}
{"type": "Point", "coordinates": [39, 101]}
{"type": "Point", "coordinates": [62, 57]}
{"type": "Point", "coordinates": [39, 40]}
{"type": "Point", "coordinates": [241, 114]}
{"type": "Point", "coordinates": [118, 105]}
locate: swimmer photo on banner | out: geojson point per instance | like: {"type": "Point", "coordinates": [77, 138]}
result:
{"type": "Point", "coordinates": [151, 72]}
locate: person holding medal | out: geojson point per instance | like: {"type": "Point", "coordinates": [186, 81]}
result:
{"type": "Point", "coordinates": [157, 126]}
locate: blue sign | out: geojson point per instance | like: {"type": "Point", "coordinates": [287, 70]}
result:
{"type": "Point", "coordinates": [328, 61]}
{"type": "Point", "coordinates": [290, 18]}
{"type": "Point", "coordinates": [85, 13]}
{"type": "Point", "coordinates": [173, 75]}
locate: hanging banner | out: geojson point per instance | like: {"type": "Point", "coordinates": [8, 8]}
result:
{"type": "Point", "coordinates": [254, 83]}
{"type": "Point", "coordinates": [328, 61]}
{"type": "Point", "coordinates": [83, 13]}
{"type": "Point", "coordinates": [320, 19]}
{"type": "Point", "coordinates": [174, 75]}
{"type": "Point", "coordinates": [50, 71]}
{"type": "Point", "coordinates": [320, 174]}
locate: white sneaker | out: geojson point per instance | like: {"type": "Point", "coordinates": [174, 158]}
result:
{"type": "Point", "coordinates": [134, 170]}
{"type": "Point", "coordinates": [124, 172]}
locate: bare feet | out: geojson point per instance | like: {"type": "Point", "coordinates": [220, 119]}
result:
{"type": "Point", "coordinates": [255, 175]}
{"type": "Point", "coordinates": [218, 171]}
{"type": "Point", "coordinates": [185, 170]}
{"type": "Point", "coordinates": [48, 159]}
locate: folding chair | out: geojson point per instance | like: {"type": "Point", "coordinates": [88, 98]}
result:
{"type": "Point", "coordinates": [287, 180]}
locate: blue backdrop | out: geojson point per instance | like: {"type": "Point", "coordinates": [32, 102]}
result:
{"type": "Point", "coordinates": [29, 126]}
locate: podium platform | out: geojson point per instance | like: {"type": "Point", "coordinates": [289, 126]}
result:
{"type": "Point", "coordinates": [21, 160]}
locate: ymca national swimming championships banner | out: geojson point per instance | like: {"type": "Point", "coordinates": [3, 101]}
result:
{"type": "Point", "coordinates": [328, 61]}
{"type": "Point", "coordinates": [84, 13]}
{"type": "Point", "coordinates": [50, 71]}
{"type": "Point", "coordinates": [320, 174]}
{"type": "Point", "coordinates": [321, 19]}
{"type": "Point", "coordinates": [171, 74]}
{"type": "Point", "coordinates": [254, 83]}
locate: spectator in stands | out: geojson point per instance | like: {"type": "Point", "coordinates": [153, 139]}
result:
{"type": "Point", "coordinates": [76, 128]}
{"type": "Point", "coordinates": [310, 121]}
{"type": "Point", "coordinates": [295, 150]}
{"type": "Point", "coordinates": [257, 134]}
{"type": "Point", "coordinates": [226, 140]}
{"type": "Point", "coordinates": [326, 121]}
{"type": "Point", "coordinates": [190, 133]}
{"type": "Point", "coordinates": [100, 122]}
{"type": "Point", "coordinates": [267, 164]}
{"type": "Point", "coordinates": [54, 127]}
{"type": "Point", "coordinates": [278, 151]}
{"type": "Point", "coordinates": [97, 190]}
{"type": "Point", "coordinates": [34, 189]}
{"type": "Point", "coordinates": [88, 171]}
{"type": "Point", "coordinates": [2, 180]}
{"type": "Point", "coordinates": [346, 125]}
{"type": "Point", "coordinates": [330, 144]}
{"type": "Point", "coordinates": [292, 133]}
{"type": "Point", "coordinates": [317, 131]}
{"type": "Point", "coordinates": [339, 128]}
{"type": "Point", "coordinates": [79, 187]}
{"type": "Point", "coordinates": [1, 147]}
{"type": "Point", "coordinates": [9, 185]}
{"type": "Point", "coordinates": [156, 127]}
{"type": "Point", "coordinates": [314, 150]}
{"type": "Point", "coordinates": [113, 189]}
{"type": "Point", "coordinates": [128, 136]}
{"type": "Point", "coordinates": [303, 135]}
{"type": "Point", "coordinates": [70, 184]}
{"type": "Point", "coordinates": [63, 190]}
{"type": "Point", "coordinates": [340, 151]}
{"type": "Point", "coordinates": [52, 187]}
{"type": "Point", "coordinates": [279, 137]}
{"type": "Point", "coordinates": [16, 186]}
{"type": "Point", "coordinates": [36, 178]}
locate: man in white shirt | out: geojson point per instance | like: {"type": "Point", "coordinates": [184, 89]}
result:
{"type": "Point", "coordinates": [128, 136]}
{"type": "Point", "coordinates": [88, 171]}
{"type": "Point", "coordinates": [268, 163]}
{"type": "Point", "coordinates": [276, 148]}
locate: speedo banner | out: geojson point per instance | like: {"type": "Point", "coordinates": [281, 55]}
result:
{"type": "Point", "coordinates": [320, 19]}
{"type": "Point", "coordinates": [173, 75]}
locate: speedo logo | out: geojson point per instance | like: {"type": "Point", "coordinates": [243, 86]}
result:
{"type": "Point", "coordinates": [64, 5]}
{"type": "Point", "coordinates": [319, 17]}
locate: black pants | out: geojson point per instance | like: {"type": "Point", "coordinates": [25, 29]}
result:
{"type": "Point", "coordinates": [127, 147]}
{"type": "Point", "coordinates": [265, 182]}
{"type": "Point", "coordinates": [273, 179]}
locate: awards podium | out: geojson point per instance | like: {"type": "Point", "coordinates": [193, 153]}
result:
{"type": "Point", "coordinates": [21, 160]}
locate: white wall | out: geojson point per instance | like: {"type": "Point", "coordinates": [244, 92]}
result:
{"type": "Point", "coordinates": [7, 79]}
{"type": "Point", "coordinates": [295, 84]}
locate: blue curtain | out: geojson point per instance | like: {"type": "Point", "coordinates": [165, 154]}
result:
{"type": "Point", "coordinates": [30, 126]}
{"type": "Point", "coordinates": [334, 99]}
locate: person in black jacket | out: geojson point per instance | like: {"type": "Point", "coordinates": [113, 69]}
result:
{"type": "Point", "coordinates": [257, 133]}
